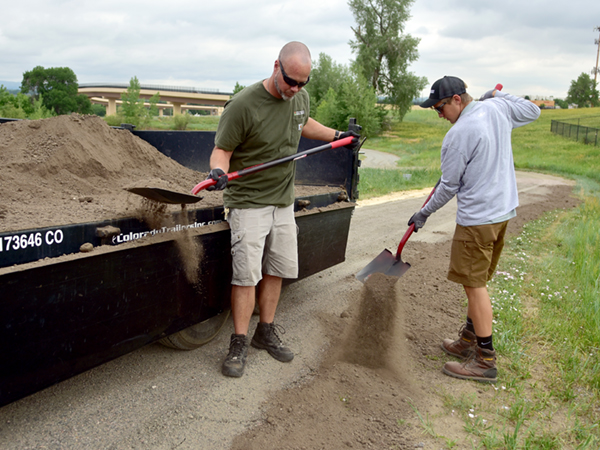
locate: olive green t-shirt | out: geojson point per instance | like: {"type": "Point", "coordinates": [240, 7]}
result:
{"type": "Point", "coordinates": [259, 128]}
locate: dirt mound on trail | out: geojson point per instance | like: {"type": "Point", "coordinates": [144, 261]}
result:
{"type": "Point", "coordinates": [73, 169]}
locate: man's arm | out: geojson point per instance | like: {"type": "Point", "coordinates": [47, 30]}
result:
{"type": "Point", "coordinates": [314, 130]}
{"type": "Point", "coordinates": [220, 158]}
{"type": "Point", "coordinates": [522, 111]}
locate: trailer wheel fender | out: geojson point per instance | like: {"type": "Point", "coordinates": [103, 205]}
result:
{"type": "Point", "coordinates": [197, 335]}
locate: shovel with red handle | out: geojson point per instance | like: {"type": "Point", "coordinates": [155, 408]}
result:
{"type": "Point", "coordinates": [173, 197]}
{"type": "Point", "coordinates": [388, 264]}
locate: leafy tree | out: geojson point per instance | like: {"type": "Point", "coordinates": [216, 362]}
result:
{"type": "Point", "coordinates": [337, 94]}
{"type": "Point", "coordinates": [325, 75]}
{"type": "Point", "coordinates": [99, 110]}
{"type": "Point", "coordinates": [238, 87]}
{"type": "Point", "coordinates": [132, 107]}
{"type": "Point", "coordinates": [561, 103]}
{"type": "Point", "coordinates": [384, 52]}
{"type": "Point", "coordinates": [39, 110]}
{"type": "Point", "coordinates": [58, 88]}
{"type": "Point", "coordinates": [15, 106]}
{"type": "Point", "coordinates": [583, 92]}
{"type": "Point", "coordinates": [133, 110]}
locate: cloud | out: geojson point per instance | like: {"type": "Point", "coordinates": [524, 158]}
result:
{"type": "Point", "coordinates": [534, 48]}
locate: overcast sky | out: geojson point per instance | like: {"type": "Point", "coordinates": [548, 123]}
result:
{"type": "Point", "coordinates": [532, 47]}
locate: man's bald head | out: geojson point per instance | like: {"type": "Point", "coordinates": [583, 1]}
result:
{"type": "Point", "coordinates": [296, 50]}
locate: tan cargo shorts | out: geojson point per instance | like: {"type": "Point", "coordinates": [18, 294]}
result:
{"type": "Point", "coordinates": [475, 253]}
{"type": "Point", "coordinates": [263, 240]}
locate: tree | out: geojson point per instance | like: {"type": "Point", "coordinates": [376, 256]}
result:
{"type": "Point", "coordinates": [133, 110]}
{"type": "Point", "coordinates": [238, 87]}
{"type": "Point", "coordinates": [58, 88]}
{"type": "Point", "coordinates": [338, 94]}
{"type": "Point", "coordinates": [563, 104]}
{"type": "Point", "coordinates": [325, 75]}
{"type": "Point", "coordinates": [384, 53]}
{"type": "Point", "coordinates": [583, 92]}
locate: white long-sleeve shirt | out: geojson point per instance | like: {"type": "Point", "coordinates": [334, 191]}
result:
{"type": "Point", "coordinates": [477, 160]}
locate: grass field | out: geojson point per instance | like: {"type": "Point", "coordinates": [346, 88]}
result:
{"type": "Point", "coordinates": [417, 141]}
{"type": "Point", "coordinates": [546, 294]}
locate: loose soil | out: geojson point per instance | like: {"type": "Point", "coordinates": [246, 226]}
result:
{"type": "Point", "coordinates": [384, 359]}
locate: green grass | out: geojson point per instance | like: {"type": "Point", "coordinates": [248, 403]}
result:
{"type": "Point", "coordinates": [418, 139]}
{"type": "Point", "coordinates": [546, 294]}
{"type": "Point", "coordinates": [195, 123]}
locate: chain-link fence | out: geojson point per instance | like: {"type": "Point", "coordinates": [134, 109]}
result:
{"type": "Point", "coordinates": [580, 133]}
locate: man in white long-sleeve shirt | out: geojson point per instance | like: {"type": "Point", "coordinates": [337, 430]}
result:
{"type": "Point", "coordinates": [477, 166]}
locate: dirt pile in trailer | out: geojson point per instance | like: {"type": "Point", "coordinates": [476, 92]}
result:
{"type": "Point", "coordinates": [73, 169]}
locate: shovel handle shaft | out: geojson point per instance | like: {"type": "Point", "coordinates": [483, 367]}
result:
{"type": "Point", "coordinates": [275, 162]}
{"type": "Point", "coordinates": [411, 228]}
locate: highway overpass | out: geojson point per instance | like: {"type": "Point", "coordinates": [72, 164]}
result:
{"type": "Point", "coordinates": [176, 98]}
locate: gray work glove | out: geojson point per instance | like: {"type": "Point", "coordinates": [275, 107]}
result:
{"type": "Point", "coordinates": [419, 219]}
{"type": "Point", "coordinates": [488, 94]}
{"type": "Point", "coordinates": [352, 134]}
{"type": "Point", "coordinates": [220, 177]}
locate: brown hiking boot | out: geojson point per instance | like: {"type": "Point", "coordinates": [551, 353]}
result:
{"type": "Point", "coordinates": [463, 346]}
{"type": "Point", "coordinates": [480, 367]}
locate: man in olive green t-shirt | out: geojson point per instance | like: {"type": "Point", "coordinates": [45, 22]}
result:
{"type": "Point", "coordinates": [261, 123]}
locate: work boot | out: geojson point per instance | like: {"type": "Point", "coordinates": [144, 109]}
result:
{"type": "Point", "coordinates": [481, 366]}
{"type": "Point", "coordinates": [463, 346]}
{"type": "Point", "coordinates": [266, 337]}
{"type": "Point", "coordinates": [234, 363]}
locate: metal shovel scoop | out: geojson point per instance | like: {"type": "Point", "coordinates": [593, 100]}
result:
{"type": "Point", "coordinates": [388, 264]}
{"type": "Point", "coordinates": [165, 195]}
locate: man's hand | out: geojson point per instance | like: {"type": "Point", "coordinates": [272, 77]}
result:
{"type": "Point", "coordinates": [488, 94]}
{"type": "Point", "coordinates": [419, 219]}
{"type": "Point", "coordinates": [491, 93]}
{"type": "Point", "coordinates": [352, 134]}
{"type": "Point", "coordinates": [220, 177]}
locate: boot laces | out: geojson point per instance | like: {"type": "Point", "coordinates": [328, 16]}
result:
{"type": "Point", "coordinates": [275, 330]}
{"type": "Point", "coordinates": [236, 348]}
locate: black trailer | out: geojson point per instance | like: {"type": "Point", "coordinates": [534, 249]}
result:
{"type": "Point", "coordinates": [61, 317]}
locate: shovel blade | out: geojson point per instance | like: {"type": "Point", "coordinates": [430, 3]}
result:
{"type": "Point", "coordinates": [164, 195]}
{"type": "Point", "coordinates": [385, 263]}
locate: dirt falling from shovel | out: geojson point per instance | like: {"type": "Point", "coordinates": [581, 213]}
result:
{"type": "Point", "coordinates": [190, 250]}
{"type": "Point", "coordinates": [374, 338]}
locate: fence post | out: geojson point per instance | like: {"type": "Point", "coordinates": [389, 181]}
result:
{"type": "Point", "coordinates": [586, 133]}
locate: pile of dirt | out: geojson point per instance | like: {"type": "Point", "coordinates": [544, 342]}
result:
{"type": "Point", "coordinates": [73, 169]}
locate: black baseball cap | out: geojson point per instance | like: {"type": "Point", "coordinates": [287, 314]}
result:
{"type": "Point", "coordinates": [444, 88]}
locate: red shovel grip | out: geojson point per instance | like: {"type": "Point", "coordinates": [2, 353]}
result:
{"type": "Point", "coordinates": [411, 228]}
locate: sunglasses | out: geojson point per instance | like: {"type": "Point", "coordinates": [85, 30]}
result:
{"type": "Point", "coordinates": [291, 82]}
{"type": "Point", "coordinates": [440, 109]}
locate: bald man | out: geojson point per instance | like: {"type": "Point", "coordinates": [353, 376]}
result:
{"type": "Point", "coordinates": [261, 123]}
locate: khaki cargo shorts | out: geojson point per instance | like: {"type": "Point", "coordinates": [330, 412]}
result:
{"type": "Point", "coordinates": [475, 253]}
{"type": "Point", "coordinates": [263, 240]}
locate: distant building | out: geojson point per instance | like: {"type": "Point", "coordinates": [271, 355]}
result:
{"type": "Point", "coordinates": [547, 103]}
